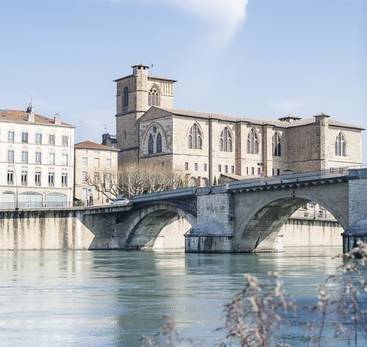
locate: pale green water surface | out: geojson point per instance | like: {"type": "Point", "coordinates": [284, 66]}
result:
{"type": "Point", "coordinates": [112, 298]}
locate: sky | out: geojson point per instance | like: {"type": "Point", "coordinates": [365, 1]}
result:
{"type": "Point", "coordinates": [255, 58]}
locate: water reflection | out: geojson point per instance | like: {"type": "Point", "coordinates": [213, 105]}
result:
{"type": "Point", "coordinates": [111, 298]}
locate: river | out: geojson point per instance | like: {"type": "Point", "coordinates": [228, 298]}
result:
{"type": "Point", "coordinates": [112, 298]}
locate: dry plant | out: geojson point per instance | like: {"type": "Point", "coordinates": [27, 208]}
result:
{"type": "Point", "coordinates": [343, 298]}
{"type": "Point", "coordinates": [255, 313]}
{"type": "Point", "coordinates": [168, 337]}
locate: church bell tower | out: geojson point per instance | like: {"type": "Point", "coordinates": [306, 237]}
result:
{"type": "Point", "coordinates": [136, 93]}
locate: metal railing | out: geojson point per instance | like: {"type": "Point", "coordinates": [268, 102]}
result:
{"type": "Point", "coordinates": [24, 205]}
{"type": "Point", "coordinates": [314, 175]}
{"type": "Point", "coordinates": [318, 214]}
{"type": "Point", "coordinates": [250, 183]}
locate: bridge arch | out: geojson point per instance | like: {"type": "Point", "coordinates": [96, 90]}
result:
{"type": "Point", "coordinates": [259, 222]}
{"type": "Point", "coordinates": [142, 229]}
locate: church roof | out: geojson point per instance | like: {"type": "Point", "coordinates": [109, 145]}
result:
{"type": "Point", "coordinates": [157, 112]}
{"type": "Point", "coordinates": [19, 116]}
{"type": "Point", "coordinates": [160, 78]}
{"type": "Point", "coordinates": [94, 145]}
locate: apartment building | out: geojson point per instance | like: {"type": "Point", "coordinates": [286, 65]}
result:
{"type": "Point", "coordinates": [36, 160]}
{"type": "Point", "coordinates": [95, 169]}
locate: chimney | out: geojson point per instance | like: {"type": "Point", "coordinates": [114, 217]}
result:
{"type": "Point", "coordinates": [30, 114]}
{"type": "Point", "coordinates": [140, 69]}
{"type": "Point", "coordinates": [289, 118]}
{"type": "Point", "coordinates": [322, 118]}
{"type": "Point", "coordinates": [57, 119]}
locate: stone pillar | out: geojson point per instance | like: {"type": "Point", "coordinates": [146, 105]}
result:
{"type": "Point", "coordinates": [141, 73]}
{"type": "Point", "coordinates": [357, 195]}
{"type": "Point", "coordinates": [210, 152]}
{"type": "Point", "coordinates": [267, 150]}
{"type": "Point", "coordinates": [322, 121]}
{"type": "Point", "coordinates": [214, 229]}
{"type": "Point", "coordinates": [357, 210]}
{"type": "Point", "coordinates": [239, 149]}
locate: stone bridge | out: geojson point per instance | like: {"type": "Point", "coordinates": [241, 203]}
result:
{"type": "Point", "coordinates": [240, 216]}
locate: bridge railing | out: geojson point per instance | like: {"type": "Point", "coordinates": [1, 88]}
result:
{"type": "Point", "coordinates": [293, 177]}
{"type": "Point", "coordinates": [24, 205]}
{"type": "Point", "coordinates": [166, 194]}
{"type": "Point", "coordinates": [248, 183]}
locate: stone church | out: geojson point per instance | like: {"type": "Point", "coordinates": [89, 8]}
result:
{"type": "Point", "coordinates": [207, 146]}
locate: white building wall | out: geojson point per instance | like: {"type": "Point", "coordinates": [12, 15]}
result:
{"type": "Point", "coordinates": [45, 190]}
{"type": "Point", "coordinates": [90, 162]}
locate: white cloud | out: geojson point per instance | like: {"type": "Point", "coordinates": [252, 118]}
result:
{"type": "Point", "coordinates": [225, 17]}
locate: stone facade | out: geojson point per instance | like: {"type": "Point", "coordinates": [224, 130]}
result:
{"type": "Point", "coordinates": [94, 163]}
{"type": "Point", "coordinates": [204, 146]}
{"type": "Point", "coordinates": [36, 160]}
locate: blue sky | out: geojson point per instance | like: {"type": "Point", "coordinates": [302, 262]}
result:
{"type": "Point", "coordinates": [256, 58]}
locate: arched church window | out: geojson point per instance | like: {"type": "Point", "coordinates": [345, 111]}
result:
{"type": "Point", "coordinates": [195, 138]}
{"type": "Point", "coordinates": [277, 146]}
{"type": "Point", "coordinates": [252, 142]}
{"type": "Point", "coordinates": [156, 141]}
{"type": "Point", "coordinates": [226, 140]}
{"type": "Point", "coordinates": [125, 97]}
{"type": "Point", "coordinates": [154, 97]}
{"type": "Point", "coordinates": [159, 143]}
{"type": "Point", "coordinates": [340, 145]}
{"type": "Point", "coordinates": [151, 144]}
{"type": "Point", "coordinates": [189, 140]}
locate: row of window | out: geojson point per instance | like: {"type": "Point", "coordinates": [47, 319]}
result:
{"type": "Point", "coordinates": [196, 166]}
{"type": "Point", "coordinates": [195, 141]}
{"type": "Point", "coordinates": [38, 158]}
{"type": "Point", "coordinates": [107, 177]}
{"type": "Point", "coordinates": [96, 162]}
{"type": "Point", "coordinates": [231, 169]}
{"type": "Point", "coordinates": [38, 138]}
{"type": "Point", "coordinates": [24, 178]}
{"type": "Point", "coordinates": [153, 96]}
{"type": "Point", "coordinates": [226, 168]}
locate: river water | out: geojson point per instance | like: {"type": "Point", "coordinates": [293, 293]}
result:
{"type": "Point", "coordinates": [112, 298]}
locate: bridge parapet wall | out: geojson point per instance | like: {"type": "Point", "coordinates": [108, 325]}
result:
{"type": "Point", "coordinates": [58, 229]}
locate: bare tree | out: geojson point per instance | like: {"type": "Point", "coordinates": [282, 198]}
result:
{"type": "Point", "coordinates": [134, 182]}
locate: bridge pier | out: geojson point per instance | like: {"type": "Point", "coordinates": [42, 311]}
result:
{"type": "Point", "coordinates": [357, 209]}
{"type": "Point", "coordinates": [213, 232]}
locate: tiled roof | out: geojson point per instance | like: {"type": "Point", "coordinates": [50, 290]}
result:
{"type": "Point", "coordinates": [336, 123]}
{"type": "Point", "coordinates": [229, 118]}
{"type": "Point", "coordinates": [93, 145]}
{"type": "Point", "coordinates": [21, 117]}
{"type": "Point", "coordinates": [161, 78]}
